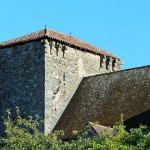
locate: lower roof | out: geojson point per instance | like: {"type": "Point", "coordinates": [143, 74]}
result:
{"type": "Point", "coordinates": [105, 97]}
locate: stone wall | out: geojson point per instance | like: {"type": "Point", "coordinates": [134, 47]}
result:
{"type": "Point", "coordinates": [104, 97]}
{"type": "Point", "coordinates": [22, 78]}
{"type": "Point", "coordinates": [64, 68]}
{"type": "Point", "coordinates": [41, 76]}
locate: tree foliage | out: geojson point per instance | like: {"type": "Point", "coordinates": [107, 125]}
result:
{"type": "Point", "coordinates": [23, 134]}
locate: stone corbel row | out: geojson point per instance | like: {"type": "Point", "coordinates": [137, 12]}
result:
{"type": "Point", "coordinates": [109, 63]}
{"type": "Point", "coordinates": [106, 62]}
{"type": "Point", "coordinates": [49, 45]}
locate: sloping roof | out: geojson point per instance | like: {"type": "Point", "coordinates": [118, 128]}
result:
{"type": "Point", "coordinates": [99, 128]}
{"type": "Point", "coordinates": [58, 37]}
{"type": "Point", "coordinates": [104, 97]}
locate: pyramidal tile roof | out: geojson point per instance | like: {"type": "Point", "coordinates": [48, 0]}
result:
{"type": "Point", "coordinates": [47, 33]}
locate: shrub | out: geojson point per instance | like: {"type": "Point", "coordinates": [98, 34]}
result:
{"type": "Point", "coordinates": [23, 134]}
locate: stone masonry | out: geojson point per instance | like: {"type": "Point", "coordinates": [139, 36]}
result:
{"type": "Point", "coordinates": [41, 71]}
{"type": "Point", "coordinates": [22, 79]}
{"type": "Point", "coordinates": [103, 97]}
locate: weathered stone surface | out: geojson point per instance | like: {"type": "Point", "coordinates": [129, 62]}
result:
{"type": "Point", "coordinates": [21, 80]}
{"type": "Point", "coordinates": [41, 76]}
{"type": "Point", "coordinates": [104, 97]}
{"type": "Point", "coordinates": [63, 72]}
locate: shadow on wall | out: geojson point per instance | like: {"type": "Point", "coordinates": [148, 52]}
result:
{"type": "Point", "coordinates": [136, 121]}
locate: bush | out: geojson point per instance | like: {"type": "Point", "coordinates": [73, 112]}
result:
{"type": "Point", "coordinates": [22, 134]}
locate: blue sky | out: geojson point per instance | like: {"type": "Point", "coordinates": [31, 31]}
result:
{"type": "Point", "coordinates": [121, 27]}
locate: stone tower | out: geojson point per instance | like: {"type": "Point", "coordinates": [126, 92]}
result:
{"type": "Point", "coordinates": [41, 71]}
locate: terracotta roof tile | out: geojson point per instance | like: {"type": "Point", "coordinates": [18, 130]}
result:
{"type": "Point", "coordinates": [99, 128]}
{"type": "Point", "coordinates": [56, 36]}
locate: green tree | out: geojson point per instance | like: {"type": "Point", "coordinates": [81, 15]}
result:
{"type": "Point", "coordinates": [23, 134]}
